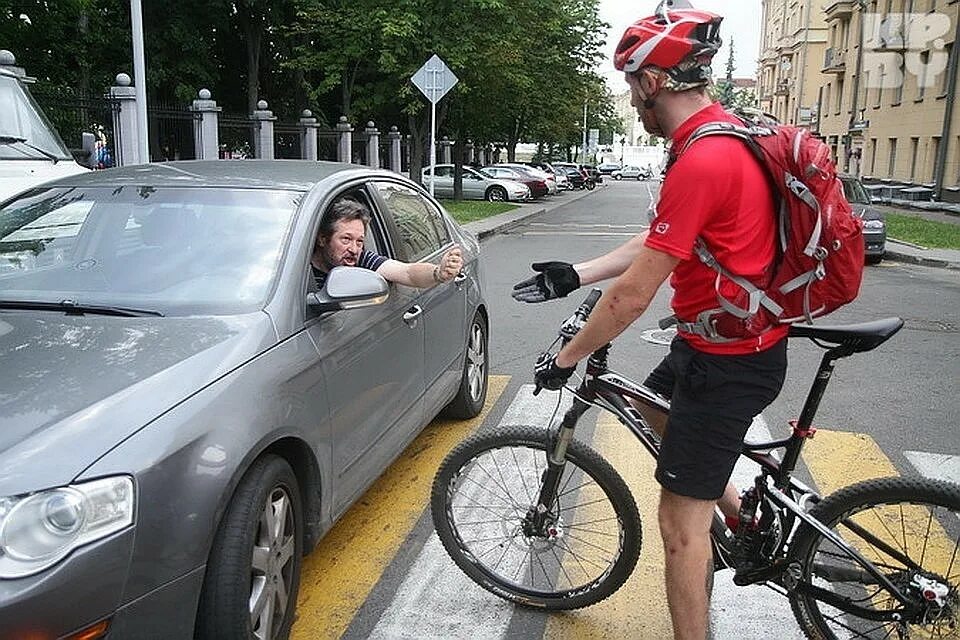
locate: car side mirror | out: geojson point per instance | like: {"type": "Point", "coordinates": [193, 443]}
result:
{"type": "Point", "coordinates": [349, 288]}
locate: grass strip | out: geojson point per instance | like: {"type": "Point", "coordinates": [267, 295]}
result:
{"type": "Point", "coordinates": [464, 211]}
{"type": "Point", "coordinates": [926, 233]}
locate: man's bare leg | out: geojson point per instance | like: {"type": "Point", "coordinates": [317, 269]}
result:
{"type": "Point", "coordinates": [729, 502]}
{"type": "Point", "coordinates": [685, 527]}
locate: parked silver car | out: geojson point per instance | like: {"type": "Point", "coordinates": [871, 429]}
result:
{"type": "Point", "coordinates": [874, 223]}
{"type": "Point", "coordinates": [182, 413]}
{"type": "Point", "coordinates": [476, 186]}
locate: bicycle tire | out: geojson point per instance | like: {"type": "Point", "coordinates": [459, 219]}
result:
{"type": "Point", "coordinates": [928, 533]}
{"type": "Point", "coordinates": [553, 583]}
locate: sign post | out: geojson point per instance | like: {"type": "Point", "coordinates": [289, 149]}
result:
{"type": "Point", "coordinates": [434, 79]}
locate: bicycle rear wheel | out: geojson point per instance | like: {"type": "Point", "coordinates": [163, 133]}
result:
{"type": "Point", "coordinates": [484, 495]}
{"type": "Point", "coordinates": [910, 530]}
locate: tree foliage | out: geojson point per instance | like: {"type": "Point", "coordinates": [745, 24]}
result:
{"type": "Point", "coordinates": [525, 67]}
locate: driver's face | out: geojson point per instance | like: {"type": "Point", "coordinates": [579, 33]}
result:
{"type": "Point", "coordinates": [343, 247]}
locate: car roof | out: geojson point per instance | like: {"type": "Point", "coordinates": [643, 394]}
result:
{"type": "Point", "coordinates": [297, 175]}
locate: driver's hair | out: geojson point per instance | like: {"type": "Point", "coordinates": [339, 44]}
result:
{"type": "Point", "coordinates": [345, 208]}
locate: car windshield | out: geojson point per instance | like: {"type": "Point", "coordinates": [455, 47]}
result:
{"type": "Point", "coordinates": [179, 251]}
{"type": "Point", "coordinates": [23, 120]}
{"type": "Point", "coordinates": [854, 191]}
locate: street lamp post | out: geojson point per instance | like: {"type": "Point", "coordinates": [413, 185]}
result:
{"type": "Point", "coordinates": [623, 146]}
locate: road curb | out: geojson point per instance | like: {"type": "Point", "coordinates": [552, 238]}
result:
{"type": "Point", "coordinates": [920, 260]}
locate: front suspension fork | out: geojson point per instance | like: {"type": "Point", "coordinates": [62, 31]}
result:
{"type": "Point", "coordinates": [544, 512]}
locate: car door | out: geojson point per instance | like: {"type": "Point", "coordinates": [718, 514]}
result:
{"type": "Point", "coordinates": [474, 185]}
{"type": "Point", "coordinates": [423, 235]}
{"type": "Point", "coordinates": [443, 183]}
{"type": "Point", "coordinates": [372, 360]}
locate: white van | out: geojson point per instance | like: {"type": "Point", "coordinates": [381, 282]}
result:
{"type": "Point", "coordinates": [31, 151]}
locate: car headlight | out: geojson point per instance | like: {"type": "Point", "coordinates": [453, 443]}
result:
{"type": "Point", "coordinates": [40, 529]}
{"type": "Point", "coordinates": [873, 224]}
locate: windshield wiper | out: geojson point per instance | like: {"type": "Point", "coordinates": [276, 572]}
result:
{"type": "Point", "coordinates": [23, 141]}
{"type": "Point", "coordinates": [74, 308]}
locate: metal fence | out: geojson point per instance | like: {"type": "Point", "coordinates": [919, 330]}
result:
{"type": "Point", "coordinates": [171, 130]}
{"type": "Point", "coordinates": [237, 135]}
{"type": "Point", "coordinates": [287, 141]}
{"type": "Point", "coordinates": [73, 112]}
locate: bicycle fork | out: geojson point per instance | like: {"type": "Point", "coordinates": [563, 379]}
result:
{"type": "Point", "coordinates": [542, 518]}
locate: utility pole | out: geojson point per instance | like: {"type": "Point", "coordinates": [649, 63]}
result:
{"type": "Point", "coordinates": [855, 99]}
{"type": "Point", "coordinates": [940, 165]}
{"type": "Point", "coordinates": [583, 147]}
{"type": "Point", "coordinates": [140, 73]}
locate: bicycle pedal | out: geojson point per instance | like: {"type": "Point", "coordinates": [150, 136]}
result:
{"type": "Point", "coordinates": [752, 575]}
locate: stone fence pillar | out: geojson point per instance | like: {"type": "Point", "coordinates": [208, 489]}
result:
{"type": "Point", "coordinates": [264, 136]}
{"type": "Point", "coordinates": [345, 143]}
{"type": "Point", "coordinates": [446, 148]}
{"type": "Point", "coordinates": [125, 129]}
{"type": "Point", "coordinates": [206, 133]}
{"type": "Point", "coordinates": [373, 145]}
{"type": "Point", "coordinates": [308, 135]}
{"type": "Point", "coordinates": [396, 160]}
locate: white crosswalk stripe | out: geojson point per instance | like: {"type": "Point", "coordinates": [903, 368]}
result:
{"type": "Point", "coordinates": [941, 466]}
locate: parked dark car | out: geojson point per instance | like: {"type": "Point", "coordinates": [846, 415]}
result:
{"type": "Point", "coordinates": [538, 187]}
{"type": "Point", "coordinates": [183, 412]}
{"type": "Point", "coordinates": [874, 225]}
{"type": "Point", "coordinates": [606, 168]}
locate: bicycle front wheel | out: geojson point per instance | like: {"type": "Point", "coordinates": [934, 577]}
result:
{"type": "Point", "coordinates": [484, 500]}
{"type": "Point", "coordinates": [909, 530]}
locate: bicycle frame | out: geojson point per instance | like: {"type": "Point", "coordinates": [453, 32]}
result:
{"type": "Point", "coordinates": [776, 488]}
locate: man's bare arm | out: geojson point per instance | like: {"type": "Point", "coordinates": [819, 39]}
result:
{"type": "Point", "coordinates": [423, 275]}
{"type": "Point", "coordinates": [625, 301]}
{"type": "Point", "coordinates": [610, 264]}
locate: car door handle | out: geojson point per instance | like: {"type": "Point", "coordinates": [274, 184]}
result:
{"type": "Point", "coordinates": [412, 314]}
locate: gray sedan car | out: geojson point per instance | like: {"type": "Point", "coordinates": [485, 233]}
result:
{"type": "Point", "coordinates": [476, 186]}
{"type": "Point", "coordinates": [183, 414]}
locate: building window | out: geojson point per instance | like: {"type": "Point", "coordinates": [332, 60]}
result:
{"type": "Point", "coordinates": [873, 156]}
{"type": "Point", "coordinates": [945, 78]}
{"type": "Point", "coordinates": [825, 102]}
{"type": "Point", "coordinates": [922, 76]}
{"type": "Point", "coordinates": [914, 149]}
{"type": "Point", "coordinates": [934, 152]}
{"type": "Point", "coordinates": [898, 91]}
{"type": "Point", "coordinates": [892, 164]}
{"type": "Point", "coordinates": [839, 95]}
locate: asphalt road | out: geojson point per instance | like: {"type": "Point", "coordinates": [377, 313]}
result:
{"type": "Point", "coordinates": [380, 573]}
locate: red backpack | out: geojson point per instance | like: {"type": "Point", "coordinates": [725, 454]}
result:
{"type": "Point", "coordinates": [819, 263]}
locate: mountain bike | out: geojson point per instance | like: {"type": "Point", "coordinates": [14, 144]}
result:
{"type": "Point", "coordinates": [540, 519]}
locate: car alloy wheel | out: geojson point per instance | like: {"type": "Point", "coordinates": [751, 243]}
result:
{"type": "Point", "coordinates": [253, 572]}
{"type": "Point", "coordinates": [496, 194]}
{"type": "Point", "coordinates": [473, 381]}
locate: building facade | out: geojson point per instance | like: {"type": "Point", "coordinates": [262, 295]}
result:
{"type": "Point", "coordinates": [885, 99]}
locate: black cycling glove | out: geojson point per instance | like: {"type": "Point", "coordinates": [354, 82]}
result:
{"type": "Point", "coordinates": [548, 375]}
{"type": "Point", "coordinates": [555, 280]}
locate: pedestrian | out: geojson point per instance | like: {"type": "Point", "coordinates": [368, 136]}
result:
{"type": "Point", "coordinates": [718, 192]}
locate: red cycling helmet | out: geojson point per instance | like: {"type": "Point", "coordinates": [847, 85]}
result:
{"type": "Point", "coordinates": [681, 41]}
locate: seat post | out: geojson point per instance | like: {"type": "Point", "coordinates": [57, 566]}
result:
{"type": "Point", "coordinates": [801, 429]}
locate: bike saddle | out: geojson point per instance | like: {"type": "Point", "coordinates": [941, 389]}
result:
{"type": "Point", "coordinates": [859, 337]}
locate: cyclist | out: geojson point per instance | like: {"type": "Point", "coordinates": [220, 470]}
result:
{"type": "Point", "coordinates": [717, 191]}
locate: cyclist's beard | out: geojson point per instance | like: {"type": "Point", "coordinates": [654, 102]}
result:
{"type": "Point", "coordinates": [649, 119]}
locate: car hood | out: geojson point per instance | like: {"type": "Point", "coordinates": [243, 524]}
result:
{"type": "Point", "coordinates": [866, 211]}
{"type": "Point", "coordinates": [73, 387]}
{"type": "Point", "coordinates": [20, 175]}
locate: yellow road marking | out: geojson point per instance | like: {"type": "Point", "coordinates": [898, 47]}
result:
{"type": "Point", "coordinates": [638, 610]}
{"type": "Point", "coordinates": [838, 459]}
{"type": "Point", "coordinates": [339, 575]}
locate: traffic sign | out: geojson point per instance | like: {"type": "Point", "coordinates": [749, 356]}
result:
{"type": "Point", "coordinates": [434, 79]}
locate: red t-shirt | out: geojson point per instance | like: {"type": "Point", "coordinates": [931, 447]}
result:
{"type": "Point", "coordinates": [718, 191]}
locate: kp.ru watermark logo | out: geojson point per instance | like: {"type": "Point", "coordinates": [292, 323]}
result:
{"type": "Point", "coordinates": [897, 44]}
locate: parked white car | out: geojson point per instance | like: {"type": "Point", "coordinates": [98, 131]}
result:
{"type": "Point", "coordinates": [31, 151]}
{"type": "Point", "coordinates": [630, 172]}
{"type": "Point", "coordinates": [476, 186]}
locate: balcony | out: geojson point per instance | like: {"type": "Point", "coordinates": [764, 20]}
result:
{"type": "Point", "coordinates": [782, 88]}
{"type": "Point", "coordinates": [838, 9]}
{"type": "Point", "coordinates": [834, 61]}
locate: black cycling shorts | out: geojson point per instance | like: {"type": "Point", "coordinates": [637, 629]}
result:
{"type": "Point", "coordinates": [713, 399]}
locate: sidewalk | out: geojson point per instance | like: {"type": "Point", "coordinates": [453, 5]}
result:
{"type": "Point", "coordinates": [896, 249]}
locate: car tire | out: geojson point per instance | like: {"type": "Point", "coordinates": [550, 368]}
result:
{"type": "Point", "coordinates": [874, 259]}
{"type": "Point", "coordinates": [473, 381]}
{"type": "Point", "coordinates": [639, 178]}
{"type": "Point", "coordinates": [618, 177]}
{"type": "Point", "coordinates": [233, 578]}
{"type": "Point", "coordinates": [496, 194]}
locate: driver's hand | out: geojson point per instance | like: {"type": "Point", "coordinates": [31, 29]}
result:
{"type": "Point", "coordinates": [555, 280]}
{"type": "Point", "coordinates": [548, 375]}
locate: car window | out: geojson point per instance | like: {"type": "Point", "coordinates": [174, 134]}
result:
{"type": "Point", "coordinates": [176, 250]}
{"type": "Point", "coordinates": [420, 224]}
{"type": "Point", "coordinates": [854, 192]}
{"type": "Point", "coordinates": [444, 172]}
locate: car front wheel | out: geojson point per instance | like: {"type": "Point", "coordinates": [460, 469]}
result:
{"type": "Point", "coordinates": [473, 381]}
{"type": "Point", "coordinates": [617, 176]}
{"type": "Point", "coordinates": [253, 572]}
